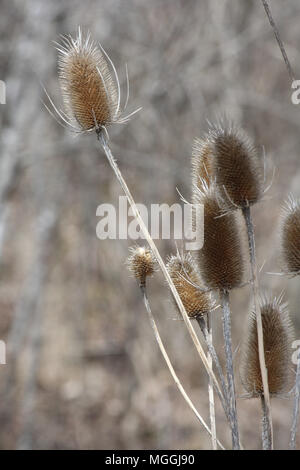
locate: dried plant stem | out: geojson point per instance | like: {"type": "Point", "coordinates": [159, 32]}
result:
{"type": "Point", "coordinates": [264, 425]}
{"type": "Point", "coordinates": [171, 369]}
{"type": "Point", "coordinates": [292, 444]}
{"type": "Point", "coordinates": [103, 139]}
{"type": "Point", "coordinates": [211, 397]}
{"type": "Point", "coordinates": [278, 39]}
{"type": "Point", "coordinates": [214, 356]}
{"type": "Point", "coordinates": [261, 352]}
{"type": "Point", "coordinates": [224, 295]}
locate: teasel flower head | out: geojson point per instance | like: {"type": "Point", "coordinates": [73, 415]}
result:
{"type": "Point", "coordinates": [186, 278]}
{"type": "Point", "coordinates": [235, 165]}
{"type": "Point", "coordinates": [141, 263]}
{"type": "Point", "coordinates": [221, 260]}
{"type": "Point", "coordinates": [202, 163]}
{"type": "Point", "coordinates": [89, 84]}
{"type": "Point", "coordinates": [278, 337]}
{"type": "Point", "coordinates": [290, 237]}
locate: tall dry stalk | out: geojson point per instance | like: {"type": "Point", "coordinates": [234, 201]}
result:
{"type": "Point", "coordinates": [142, 264]}
{"type": "Point", "coordinates": [290, 262]}
{"type": "Point", "coordinates": [268, 427]}
{"type": "Point", "coordinates": [278, 337]}
{"type": "Point", "coordinates": [236, 167]}
{"type": "Point", "coordinates": [92, 102]}
{"type": "Point", "coordinates": [221, 264]}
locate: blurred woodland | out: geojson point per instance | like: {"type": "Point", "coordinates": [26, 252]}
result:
{"type": "Point", "coordinates": [83, 370]}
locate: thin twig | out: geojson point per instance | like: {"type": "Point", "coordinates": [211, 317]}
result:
{"type": "Point", "coordinates": [224, 295]}
{"type": "Point", "coordinates": [103, 139]}
{"type": "Point", "coordinates": [292, 445]}
{"type": "Point", "coordinates": [214, 356]}
{"type": "Point", "coordinates": [278, 39]}
{"type": "Point", "coordinates": [211, 398]}
{"type": "Point", "coordinates": [261, 352]}
{"type": "Point", "coordinates": [264, 425]}
{"type": "Point", "coordinates": [170, 367]}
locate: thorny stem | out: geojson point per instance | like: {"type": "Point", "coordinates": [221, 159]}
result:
{"type": "Point", "coordinates": [211, 398]}
{"type": "Point", "coordinates": [170, 367]}
{"type": "Point", "coordinates": [214, 356]}
{"type": "Point", "coordinates": [103, 140]}
{"type": "Point", "coordinates": [224, 295]}
{"type": "Point", "coordinates": [292, 444]}
{"type": "Point", "coordinates": [260, 337]}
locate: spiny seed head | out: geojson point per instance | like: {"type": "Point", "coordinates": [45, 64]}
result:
{"type": "Point", "coordinates": [235, 165]}
{"type": "Point", "coordinates": [141, 263]}
{"type": "Point", "coordinates": [186, 279]}
{"type": "Point", "coordinates": [202, 170]}
{"type": "Point", "coordinates": [89, 91]}
{"type": "Point", "coordinates": [221, 259]}
{"type": "Point", "coordinates": [290, 237]}
{"type": "Point", "coordinates": [278, 337]}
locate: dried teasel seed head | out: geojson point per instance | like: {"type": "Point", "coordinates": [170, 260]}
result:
{"type": "Point", "coordinates": [141, 263]}
{"type": "Point", "coordinates": [221, 259]}
{"type": "Point", "coordinates": [290, 237]}
{"type": "Point", "coordinates": [202, 164]}
{"type": "Point", "coordinates": [187, 281]}
{"type": "Point", "coordinates": [237, 167]}
{"type": "Point", "coordinates": [278, 337]}
{"type": "Point", "coordinates": [90, 94]}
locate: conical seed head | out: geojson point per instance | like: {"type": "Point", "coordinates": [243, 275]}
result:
{"type": "Point", "coordinates": [221, 259]}
{"type": "Point", "coordinates": [141, 263]}
{"type": "Point", "coordinates": [186, 279]}
{"type": "Point", "coordinates": [278, 338]}
{"type": "Point", "coordinates": [89, 92]}
{"type": "Point", "coordinates": [290, 237]}
{"type": "Point", "coordinates": [238, 169]}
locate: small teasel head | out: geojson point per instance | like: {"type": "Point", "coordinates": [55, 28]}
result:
{"type": "Point", "coordinates": [278, 337]}
{"type": "Point", "coordinates": [237, 167]}
{"type": "Point", "coordinates": [221, 260]}
{"type": "Point", "coordinates": [202, 163]}
{"type": "Point", "coordinates": [186, 278]}
{"type": "Point", "coordinates": [141, 263]}
{"type": "Point", "coordinates": [290, 237]}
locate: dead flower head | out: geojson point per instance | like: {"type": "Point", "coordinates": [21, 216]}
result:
{"type": "Point", "coordinates": [89, 84]}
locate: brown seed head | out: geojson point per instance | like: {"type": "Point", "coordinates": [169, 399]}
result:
{"type": "Point", "coordinates": [290, 237]}
{"type": "Point", "coordinates": [89, 92]}
{"type": "Point", "coordinates": [141, 263]}
{"type": "Point", "coordinates": [236, 166]}
{"type": "Point", "coordinates": [278, 337]}
{"type": "Point", "coordinates": [186, 278]}
{"type": "Point", "coordinates": [221, 259]}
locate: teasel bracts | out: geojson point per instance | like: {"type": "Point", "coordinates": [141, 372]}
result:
{"type": "Point", "coordinates": [141, 263]}
{"type": "Point", "coordinates": [290, 237]}
{"type": "Point", "coordinates": [90, 94]}
{"type": "Point", "coordinates": [278, 337]}
{"type": "Point", "coordinates": [221, 259]}
{"type": "Point", "coordinates": [234, 163]}
{"type": "Point", "coordinates": [187, 281]}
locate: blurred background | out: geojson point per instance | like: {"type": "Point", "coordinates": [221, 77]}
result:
{"type": "Point", "coordinates": [83, 369]}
